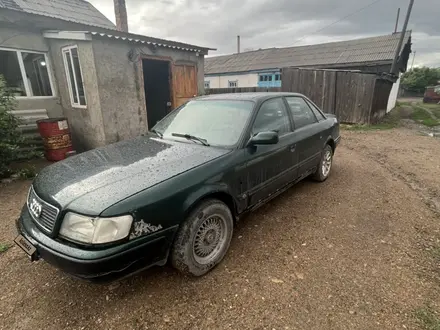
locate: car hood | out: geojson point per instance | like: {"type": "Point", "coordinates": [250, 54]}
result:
{"type": "Point", "coordinates": [92, 181]}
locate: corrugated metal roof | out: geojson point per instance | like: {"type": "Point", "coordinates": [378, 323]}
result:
{"type": "Point", "coordinates": [136, 38]}
{"type": "Point", "coordinates": [77, 11]}
{"type": "Point", "coordinates": [366, 50]}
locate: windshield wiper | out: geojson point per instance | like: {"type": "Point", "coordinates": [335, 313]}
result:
{"type": "Point", "coordinates": [159, 134]}
{"type": "Point", "coordinates": [191, 137]}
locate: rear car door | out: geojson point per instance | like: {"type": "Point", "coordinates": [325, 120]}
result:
{"type": "Point", "coordinates": [309, 134]}
{"type": "Point", "coordinates": [270, 167]}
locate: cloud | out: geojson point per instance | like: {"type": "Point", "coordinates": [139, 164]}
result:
{"type": "Point", "coordinates": [280, 23]}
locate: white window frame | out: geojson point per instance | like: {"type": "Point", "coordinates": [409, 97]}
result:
{"type": "Point", "coordinates": [64, 52]}
{"type": "Point", "coordinates": [233, 82]}
{"type": "Point", "coordinates": [207, 84]}
{"type": "Point", "coordinates": [28, 88]}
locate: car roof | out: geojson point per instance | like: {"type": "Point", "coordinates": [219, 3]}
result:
{"type": "Point", "coordinates": [261, 96]}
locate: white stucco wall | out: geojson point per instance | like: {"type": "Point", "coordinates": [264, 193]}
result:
{"type": "Point", "coordinates": [244, 80]}
{"type": "Point", "coordinates": [393, 95]}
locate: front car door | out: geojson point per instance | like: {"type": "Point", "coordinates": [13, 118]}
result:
{"type": "Point", "coordinates": [309, 132]}
{"type": "Point", "coordinates": [270, 167]}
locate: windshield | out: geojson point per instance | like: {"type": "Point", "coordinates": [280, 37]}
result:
{"type": "Point", "coordinates": [218, 122]}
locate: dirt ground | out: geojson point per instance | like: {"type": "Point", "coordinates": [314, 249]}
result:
{"type": "Point", "coordinates": [359, 251]}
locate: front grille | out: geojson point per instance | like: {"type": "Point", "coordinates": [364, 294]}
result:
{"type": "Point", "coordinates": [48, 215]}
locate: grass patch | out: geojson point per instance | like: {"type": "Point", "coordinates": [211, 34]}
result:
{"type": "Point", "coordinates": [400, 103]}
{"type": "Point", "coordinates": [428, 319]}
{"type": "Point", "coordinates": [422, 116]}
{"type": "Point", "coordinates": [390, 121]}
{"type": "Point", "coordinates": [434, 108]}
{"type": "Point", "coordinates": [27, 172]}
{"type": "Point", "coordinates": [426, 114]}
{"type": "Point", "coordinates": [4, 247]}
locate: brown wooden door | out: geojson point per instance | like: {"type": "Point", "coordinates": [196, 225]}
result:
{"type": "Point", "coordinates": [184, 83]}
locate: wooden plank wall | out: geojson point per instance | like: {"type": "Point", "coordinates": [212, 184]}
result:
{"type": "Point", "coordinates": [318, 85]}
{"type": "Point", "coordinates": [380, 100]}
{"type": "Point", "coordinates": [347, 94]}
{"type": "Point", "coordinates": [355, 97]}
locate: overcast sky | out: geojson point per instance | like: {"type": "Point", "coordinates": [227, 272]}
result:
{"type": "Point", "coordinates": [280, 23]}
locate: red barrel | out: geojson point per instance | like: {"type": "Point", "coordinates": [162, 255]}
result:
{"type": "Point", "coordinates": [56, 137]}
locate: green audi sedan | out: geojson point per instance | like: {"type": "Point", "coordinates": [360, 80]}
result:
{"type": "Point", "coordinates": [175, 194]}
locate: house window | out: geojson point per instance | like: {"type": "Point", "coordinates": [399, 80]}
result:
{"type": "Point", "coordinates": [232, 84]}
{"type": "Point", "coordinates": [207, 82]}
{"type": "Point", "coordinates": [74, 77]}
{"type": "Point", "coordinates": [266, 77]}
{"type": "Point", "coordinates": [277, 77]}
{"type": "Point", "coordinates": [26, 73]}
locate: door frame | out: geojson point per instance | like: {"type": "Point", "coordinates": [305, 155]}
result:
{"type": "Point", "coordinates": [141, 79]}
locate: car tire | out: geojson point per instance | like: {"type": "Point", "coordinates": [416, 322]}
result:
{"type": "Point", "coordinates": [325, 164]}
{"type": "Point", "coordinates": [203, 238]}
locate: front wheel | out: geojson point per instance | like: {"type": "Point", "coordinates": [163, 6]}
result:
{"type": "Point", "coordinates": [203, 238]}
{"type": "Point", "coordinates": [325, 164]}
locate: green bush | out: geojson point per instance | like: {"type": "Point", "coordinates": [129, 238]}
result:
{"type": "Point", "coordinates": [10, 136]}
{"type": "Point", "coordinates": [418, 78]}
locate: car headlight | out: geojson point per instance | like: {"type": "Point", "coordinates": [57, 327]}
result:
{"type": "Point", "coordinates": [95, 230]}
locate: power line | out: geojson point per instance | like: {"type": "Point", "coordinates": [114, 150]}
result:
{"type": "Point", "coordinates": [339, 20]}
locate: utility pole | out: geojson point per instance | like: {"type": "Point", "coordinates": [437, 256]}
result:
{"type": "Point", "coordinates": [414, 56]}
{"type": "Point", "coordinates": [399, 46]}
{"type": "Point", "coordinates": [397, 20]}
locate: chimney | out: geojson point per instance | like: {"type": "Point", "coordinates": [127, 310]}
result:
{"type": "Point", "coordinates": [121, 15]}
{"type": "Point", "coordinates": [238, 44]}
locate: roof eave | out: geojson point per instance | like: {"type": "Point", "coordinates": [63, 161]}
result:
{"type": "Point", "coordinates": [128, 37]}
{"type": "Point", "coordinates": [71, 35]}
{"type": "Point", "coordinates": [151, 41]}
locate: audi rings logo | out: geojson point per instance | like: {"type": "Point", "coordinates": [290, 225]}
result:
{"type": "Point", "coordinates": [35, 208]}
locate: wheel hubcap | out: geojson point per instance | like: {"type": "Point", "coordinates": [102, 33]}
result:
{"type": "Point", "coordinates": [326, 163]}
{"type": "Point", "coordinates": [209, 239]}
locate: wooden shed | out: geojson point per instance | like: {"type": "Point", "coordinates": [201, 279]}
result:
{"type": "Point", "coordinates": [354, 96]}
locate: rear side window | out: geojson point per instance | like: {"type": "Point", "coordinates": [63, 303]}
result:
{"type": "Point", "coordinates": [272, 116]}
{"type": "Point", "coordinates": [316, 111]}
{"type": "Point", "coordinates": [301, 112]}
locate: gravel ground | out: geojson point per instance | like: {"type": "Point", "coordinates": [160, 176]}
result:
{"type": "Point", "coordinates": [359, 251]}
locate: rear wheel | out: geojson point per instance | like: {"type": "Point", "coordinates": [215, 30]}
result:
{"type": "Point", "coordinates": [203, 238]}
{"type": "Point", "coordinates": [325, 164]}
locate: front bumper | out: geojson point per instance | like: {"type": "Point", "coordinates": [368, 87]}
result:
{"type": "Point", "coordinates": [98, 264]}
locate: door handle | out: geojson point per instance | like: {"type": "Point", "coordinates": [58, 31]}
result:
{"type": "Point", "coordinates": [292, 147]}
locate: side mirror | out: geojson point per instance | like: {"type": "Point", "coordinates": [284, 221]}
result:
{"type": "Point", "coordinates": [269, 137]}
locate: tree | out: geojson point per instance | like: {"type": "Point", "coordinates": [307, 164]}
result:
{"type": "Point", "coordinates": [418, 78]}
{"type": "Point", "coordinates": [10, 137]}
